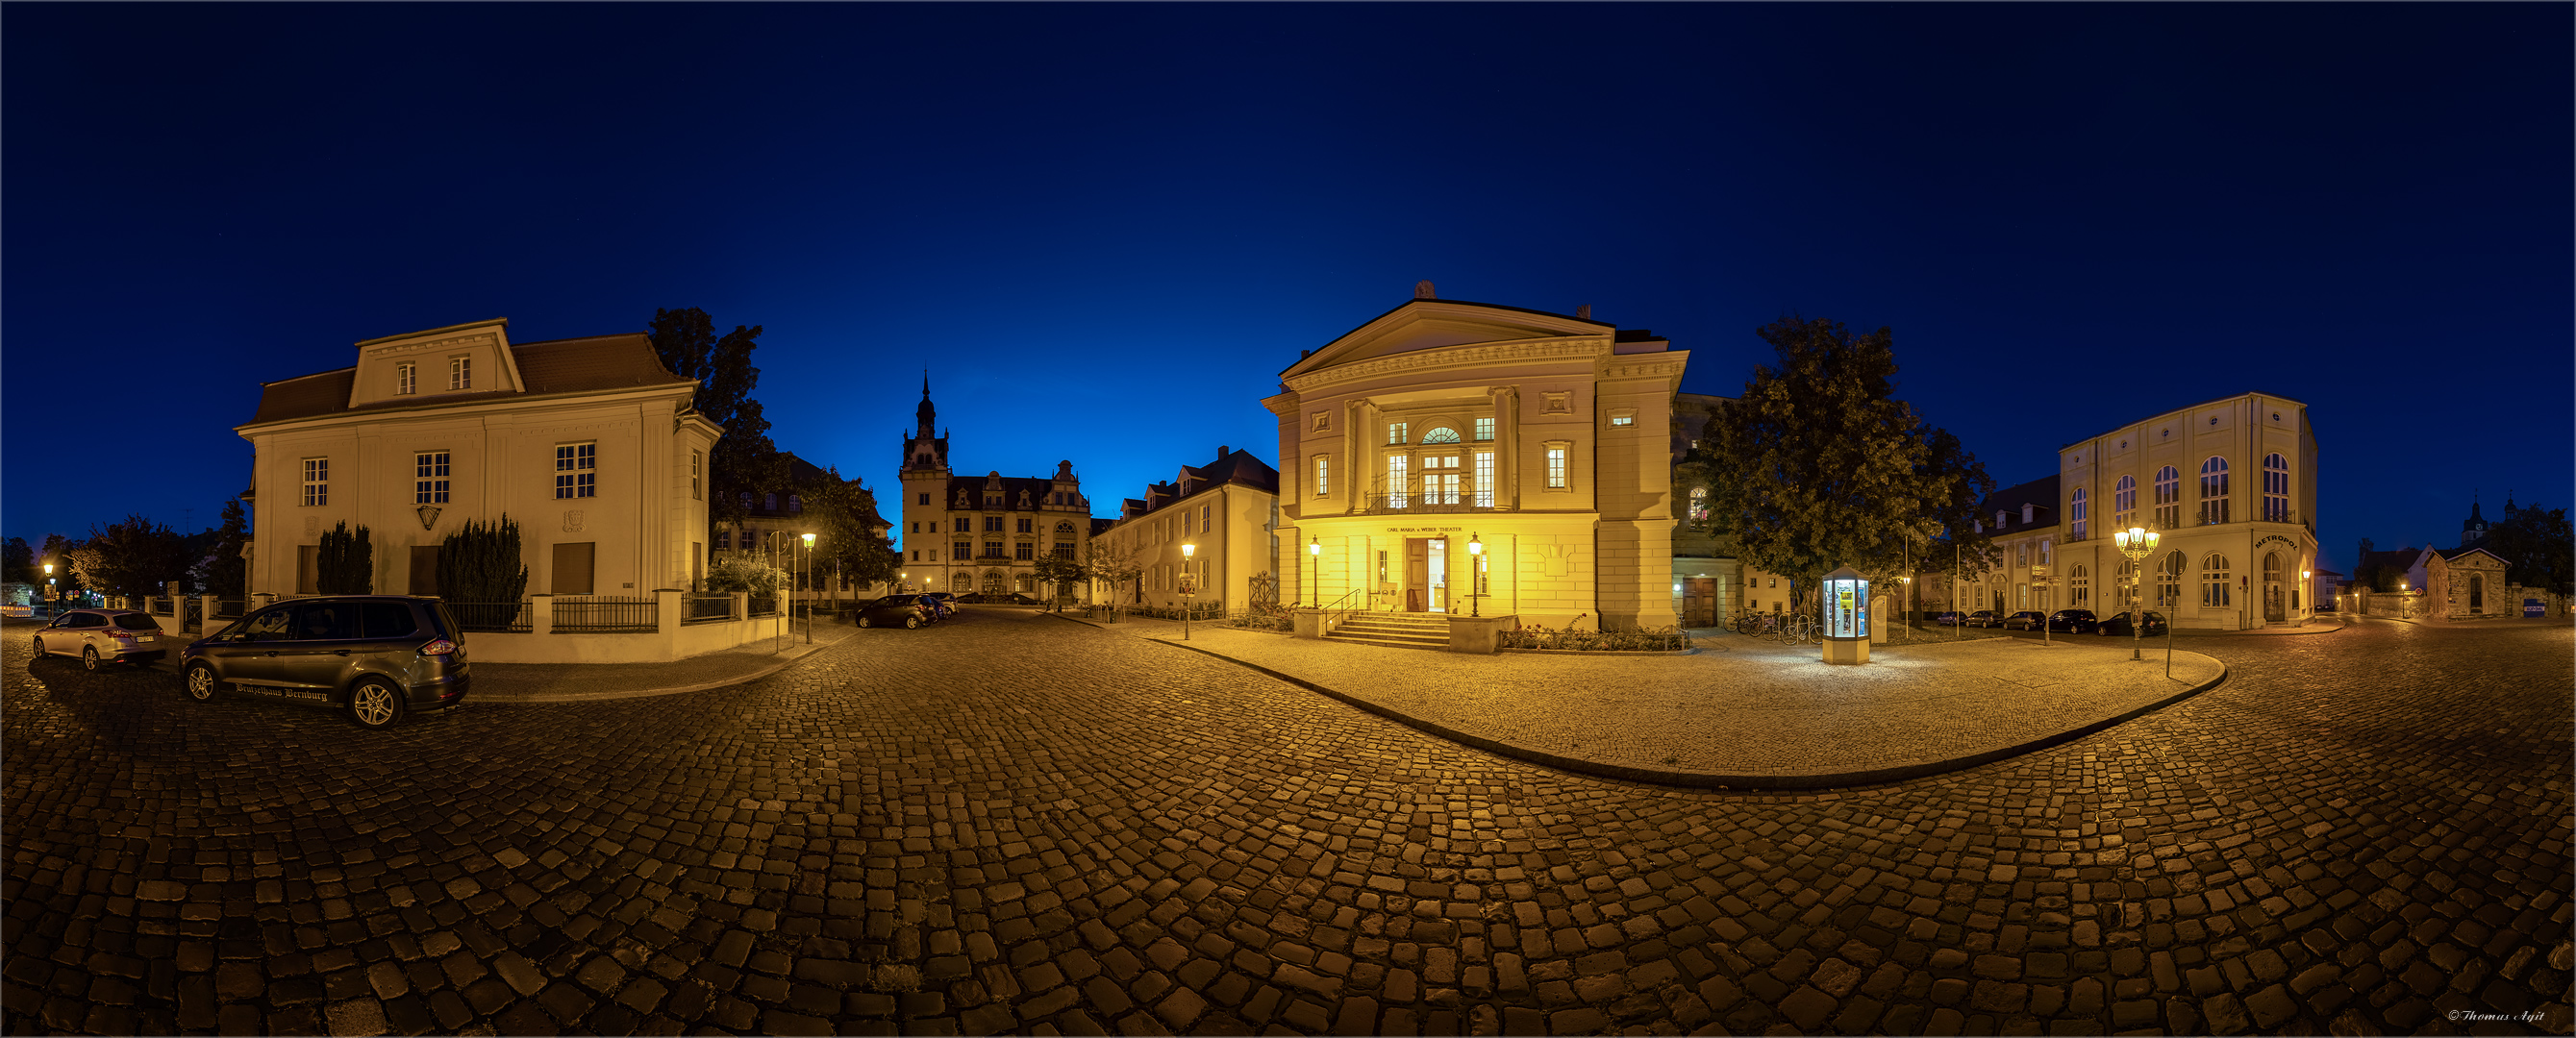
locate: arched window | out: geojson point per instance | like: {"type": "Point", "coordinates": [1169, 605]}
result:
{"type": "Point", "coordinates": [2124, 585]}
{"type": "Point", "coordinates": [1440, 434]}
{"type": "Point", "coordinates": [2124, 502]}
{"type": "Point", "coordinates": [769, 502]}
{"type": "Point", "coordinates": [2271, 567]}
{"type": "Point", "coordinates": [2080, 514]}
{"type": "Point", "coordinates": [2169, 582]}
{"type": "Point", "coordinates": [2213, 490]}
{"type": "Point", "coordinates": [1699, 504]}
{"type": "Point", "coordinates": [2079, 588]}
{"type": "Point", "coordinates": [1064, 527]}
{"type": "Point", "coordinates": [2168, 498]}
{"type": "Point", "coordinates": [2276, 488]}
{"type": "Point", "coordinates": [2213, 580]}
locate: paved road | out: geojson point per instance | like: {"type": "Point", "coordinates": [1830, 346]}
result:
{"type": "Point", "coordinates": [1015, 824]}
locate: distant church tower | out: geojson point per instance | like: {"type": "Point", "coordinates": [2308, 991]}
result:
{"type": "Point", "coordinates": [925, 471]}
{"type": "Point", "coordinates": [2473, 530]}
{"type": "Point", "coordinates": [982, 534]}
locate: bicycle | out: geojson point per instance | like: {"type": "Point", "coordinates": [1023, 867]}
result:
{"type": "Point", "coordinates": [1805, 630]}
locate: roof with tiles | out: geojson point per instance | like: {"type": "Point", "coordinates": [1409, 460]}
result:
{"type": "Point", "coordinates": [2040, 494]}
{"type": "Point", "coordinates": [585, 365]}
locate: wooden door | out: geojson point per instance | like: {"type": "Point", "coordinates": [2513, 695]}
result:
{"type": "Point", "coordinates": [1699, 602]}
{"type": "Point", "coordinates": [572, 568]}
{"type": "Point", "coordinates": [1417, 574]}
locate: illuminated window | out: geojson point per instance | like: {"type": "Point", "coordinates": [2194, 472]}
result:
{"type": "Point", "coordinates": [2168, 498]}
{"type": "Point", "coordinates": [1484, 479]}
{"type": "Point", "coordinates": [1323, 475]}
{"type": "Point", "coordinates": [429, 478]}
{"type": "Point", "coordinates": [2213, 491]}
{"type": "Point", "coordinates": [460, 373]}
{"type": "Point", "coordinates": [1397, 481]}
{"type": "Point", "coordinates": [1440, 480]}
{"type": "Point", "coordinates": [317, 481]}
{"type": "Point", "coordinates": [1556, 468]}
{"type": "Point", "coordinates": [576, 469]}
{"type": "Point", "coordinates": [2080, 588]}
{"type": "Point", "coordinates": [697, 477]}
{"type": "Point", "coordinates": [2124, 502]}
{"type": "Point", "coordinates": [2276, 488]}
{"type": "Point", "coordinates": [2213, 580]}
{"type": "Point", "coordinates": [1440, 434]}
{"type": "Point", "coordinates": [2080, 514]}
{"type": "Point", "coordinates": [1395, 432]}
{"type": "Point", "coordinates": [1484, 429]}
{"type": "Point", "coordinates": [1699, 504]}
{"type": "Point", "coordinates": [406, 379]}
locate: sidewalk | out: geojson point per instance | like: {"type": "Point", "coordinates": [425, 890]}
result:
{"type": "Point", "coordinates": [1755, 715]}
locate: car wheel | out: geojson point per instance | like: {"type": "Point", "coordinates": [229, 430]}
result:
{"type": "Point", "coordinates": [40, 648]}
{"type": "Point", "coordinates": [912, 623]}
{"type": "Point", "coordinates": [375, 704]}
{"type": "Point", "coordinates": [89, 658]}
{"type": "Point", "coordinates": [201, 682]}
{"type": "Point", "coordinates": [863, 621]}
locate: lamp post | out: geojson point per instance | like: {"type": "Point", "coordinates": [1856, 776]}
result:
{"type": "Point", "coordinates": [53, 597]}
{"type": "Point", "coordinates": [2307, 583]}
{"type": "Point", "coordinates": [1909, 607]}
{"type": "Point", "coordinates": [1475, 576]}
{"type": "Point", "coordinates": [2137, 543]}
{"type": "Point", "coordinates": [809, 608]}
{"type": "Point", "coordinates": [1188, 588]}
{"type": "Point", "coordinates": [1315, 551]}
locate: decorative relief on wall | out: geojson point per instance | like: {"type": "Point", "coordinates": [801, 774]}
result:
{"type": "Point", "coordinates": [1559, 403]}
{"type": "Point", "coordinates": [312, 524]}
{"type": "Point", "coordinates": [459, 342]}
{"type": "Point", "coordinates": [1451, 355]}
{"type": "Point", "coordinates": [1556, 560]}
{"type": "Point", "coordinates": [572, 520]}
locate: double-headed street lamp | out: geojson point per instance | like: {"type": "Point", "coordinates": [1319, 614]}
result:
{"type": "Point", "coordinates": [1188, 588]}
{"type": "Point", "coordinates": [2137, 543]}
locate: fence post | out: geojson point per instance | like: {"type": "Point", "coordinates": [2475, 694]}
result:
{"type": "Point", "coordinates": [666, 615]}
{"type": "Point", "coordinates": [541, 615]}
{"type": "Point", "coordinates": [742, 605]}
{"type": "Point", "coordinates": [261, 600]}
{"type": "Point", "coordinates": [205, 614]}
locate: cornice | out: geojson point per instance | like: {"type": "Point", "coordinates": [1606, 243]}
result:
{"type": "Point", "coordinates": [1451, 356]}
{"type": "Point", "coordinates": [515, 403]}
{"type": "Point", "coordinates": [479, 339]}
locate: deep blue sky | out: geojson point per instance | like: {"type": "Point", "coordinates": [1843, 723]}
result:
{"type": "Point", "coordinates": [1106, 229]}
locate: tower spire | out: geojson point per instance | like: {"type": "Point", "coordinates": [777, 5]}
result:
{"type": "Point", "coordinates": [925, 383]}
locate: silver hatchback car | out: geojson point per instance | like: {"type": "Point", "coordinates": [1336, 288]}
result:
{"type": "Point", "coordinates": [103, 636]}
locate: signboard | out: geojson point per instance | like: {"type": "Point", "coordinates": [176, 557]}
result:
{"type": "Point", "coordinates": [2532, 607]}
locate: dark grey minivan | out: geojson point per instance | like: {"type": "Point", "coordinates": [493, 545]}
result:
{"type": "Point", "coordinates": [377, 656]}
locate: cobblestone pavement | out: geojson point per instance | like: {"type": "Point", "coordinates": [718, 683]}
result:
{"type": "Point", "coordinates": [1014, 824]}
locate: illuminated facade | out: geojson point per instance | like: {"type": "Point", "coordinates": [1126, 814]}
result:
{"type": "Point", "coordinates": [983, 534]}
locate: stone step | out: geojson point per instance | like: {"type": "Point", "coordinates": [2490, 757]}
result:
{"type": "Point", "coordinates": [1389, 642]}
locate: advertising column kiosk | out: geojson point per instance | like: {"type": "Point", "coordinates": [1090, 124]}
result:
{"type": "Point", "coordinates": [1846, 619]}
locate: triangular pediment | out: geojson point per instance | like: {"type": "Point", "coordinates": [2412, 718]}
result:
{"type": "Point", "coordinates": [1426, 324]}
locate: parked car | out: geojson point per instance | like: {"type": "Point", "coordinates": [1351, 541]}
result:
{"type": "Point", "coordinates": [2072, 621]}
{"type": "Point", "coordinates": [2026, 620]}
{"type": "Point", "coordinates": [896, 611]}
{"type": "Point", "coordinates": [378, 657]}
{"type": "Point", "coordinates": [1984, 618]}
{"type": "Point", "coordinates": [102, 636]}
{"type": "Point", "coordinates": [1949, 619]}
{"type": "Point", "coordinates": [2151, 625]}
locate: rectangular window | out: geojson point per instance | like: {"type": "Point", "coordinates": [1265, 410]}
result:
{"type": "Point", "coordinates": [724, 540]}
{"type": "Point", "coordinates": [964, 524]}
{"type": "Point", "coordinates": [1323, 475]}
{"type": "Point", "coordinates": [406, 379]}
{"type": "Point", "coordinates": [925, 499]}
{"type": "Point", "coordinates": [429, 478]}
{"type": "Point", "coordinates": [1623, 419]}
{"type": "Point", "coordinates": [961, 550]}
{"type": "Point", "coordinates": [1063, 550]}
{"type": "Point", "coordinates": [1484, 429]}
{"type": "Point", "coordinates": [1396, 481]}
{"type": "Point", "coordinates": [1203, 519]}
{"type": "Point", "coordinates": [1484, 476]}
{"type": "Point", "coordinates": [576, 470]}
{"type": "Point", "coordinates": [2047, 555]}
{"type": "Point", "coordinates": [317, 481]}
{"type": "Point", "coordinates": [1395, 432]}
{"type": "Point", "coordinates": [460, 373]}
{"type": "Point", "coordinates": [697, 475]}
{"type": "Point", "coordinates": [1024, 551]}
{"type": "Point", "coordinates": [992, 524]}
{"type": "Point", "coordinates": [992, 549]}
{"type": "Point", "coordinates": [1556, 468]}
{"type": "Point", "coordinates": [1024, 525]}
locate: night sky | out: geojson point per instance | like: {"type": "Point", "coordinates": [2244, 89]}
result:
{"type": "Point", "coordinates": [1105, 230]}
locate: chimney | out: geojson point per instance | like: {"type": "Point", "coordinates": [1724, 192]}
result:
{"type": "Point", "coordinates": [1584, 311]}
{"type": "Point", "coordinates": [1220, 452]}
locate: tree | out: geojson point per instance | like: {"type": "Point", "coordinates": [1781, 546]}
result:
{"type": "Point", "coordinates": [1817, 467]}
{"type": "Point", "coordinates": [481, 575]}
{"type": "Point", "coordinates": [1109, 568]}
{"type": "Point", "coordinates": [346, 562]}
{"type": "Point", "coordinates": [134, 557]}
{"type": "Point", "coordinates": [2536, 545]}
{"type": "Point", "coordinates": [846, 541]}
{"type": "Point", "coordinates": [1057, 571]}
{"type": "Point", "coordinates": [225, 574]}
{"type": "Point", "coordinates": [744, 459]}
{"type": "Point", "coordinates": [18, 563]}
{"type": "Point", "coordinates": [58, 550]}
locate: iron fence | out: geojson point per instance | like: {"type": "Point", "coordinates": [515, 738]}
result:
{"type": "Point", "coordinates": [606, 614]}
{"type": "Point", "coordinates": [701, 609]}
{"type": "Point", "coordinates": [162, 606]}
{"type": "Point", "coordinates": [492, 617]}
{"type": "Point", "coordinates": [763, 605]}
{"type": "Point", "coordinates": [231, 608]}
{"type": "Point", "coordinates": [192, 612]}
{"type": "Point", "coordinates": [1190, 611]}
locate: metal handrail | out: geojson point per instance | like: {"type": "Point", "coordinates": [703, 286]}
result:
{"type": "Point", "coordinates": [1344, 612]}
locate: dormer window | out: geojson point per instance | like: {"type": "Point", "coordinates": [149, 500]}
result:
{"type": "Point", "coordinates": [2028, 513]}
{"type": "Point", "coordinates": [1999, 519]}
{"type": "Point", "coordinates": [406, 379]}
{"type": "Point", "coordinates": [460, 373]}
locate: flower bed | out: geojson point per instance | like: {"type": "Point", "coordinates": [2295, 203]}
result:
{"type": "Point", "coordinates": [1660, 639]}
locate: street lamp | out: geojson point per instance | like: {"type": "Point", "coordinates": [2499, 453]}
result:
{"type": "Point", "coordinates": [1315, 551]}
{"type": "Point", "coordinates": [1476, 568]}
{"type": "Point", "coordinates": [809, 606]}
{"type": "Point", "coordinates": [53, 597]}
{"type": "Point", "coordinates": [1188, 587]}
{"type": "Point", "coordinates": [2137, 543]}
{"type": "Point", "coordinates": [1909, 607]}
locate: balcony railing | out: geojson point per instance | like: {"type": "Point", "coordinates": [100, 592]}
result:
{"type": "Point", "coordinates": [1440, 503]}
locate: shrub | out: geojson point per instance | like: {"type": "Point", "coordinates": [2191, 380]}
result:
{"type": "Point", "coordinates": [743, 573]}
{"type": "Point", "coordinates": [1659, 639]}
{"type": "Point", "coordinates": [480, 571]}
{"type": "Point", "coordinates": [346, 563]}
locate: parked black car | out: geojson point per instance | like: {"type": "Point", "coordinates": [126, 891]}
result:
{"type": "Point", "coordinates": [1949, 619]}
{"type": "Point", "coordinates": [376, 656]}
{"type": "Point", "coordinates": [2026, 620]}
{"type": "Point", "coordinates": [2152, 625]}
{"type": "Point", "coordinates": [2072, 621]}
{"type": "Point", "coordinates": [103, 636]}
{"type": "Point", "coordinates": [1984, 618]}
{"type": "Point", "coordinates": [896, 611]}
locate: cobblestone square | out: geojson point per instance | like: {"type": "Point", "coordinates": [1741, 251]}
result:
{"type": "Point", "coordinates": [1014, 824]}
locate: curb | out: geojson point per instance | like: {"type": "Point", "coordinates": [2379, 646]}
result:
{"type": "Point", "coordinates": [794, 656]}
{"type": "Point", "coordinates": [1710, 780]}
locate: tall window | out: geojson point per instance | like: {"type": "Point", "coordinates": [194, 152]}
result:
{"type": "Point", "coordinates": [2079, 588]}
{"type": "Point", "coordinates": [961, 549]}
{"type": "Point", "coordinates": [1024, 551]}
{"type": "Point", "coordinates": [576, 469]}
{"type": "Point", "coordinates": [2213, 491]}
{"type": "Point", "coordinates": [1699, 504]}
{"type": "Point", "coordinates": [317, 481]}
{"type": "Point", "coordinates": [2124, 584]}
{"type": "Point", "coordinates": [1485, 478]}
{"type": "Point", "coordinates": [2276, 488]}
{"type": "Point", "coordinates": [429, 478]}
{"type": "Point", "coordinates": [1556, 468]}
{"type": "Point", "coordinates": [1323, 474]}
{"type": "Point", "coordinates": [2046, 556]}
{"type": "Point", "coordinates": [724, 542]}
{"type": "Point", "coordinates": [697, 475]}
{"type": "Point", "coordinates": [992, 549]}
{"type": "Point", "coordinates": [2124, 502]}
{"type": "Point", "coordinates": [2080, 514]}
{"type": "Point", "coordinates": [2168, 499]}
{"type": "Point", "coordinates": [2213, 580]}
{"type": "Point", "coordinates": [1484, 429]}
{"type": "Point", "coordinates": [406, 379]}
{"type": "Point", "coordinates": [963, 524]}
{"type": "Point", "coordinates": [1396, 480]}
{"type": "Point", "coordinates": [2169, 582]}
{"type": "Point", "coordinates": [1027, 525]}
{"type": "Point", "coordinates": [1395, 432]}
{"type": "Point", "coordinates": [1440, 479]}
{"type": "Point", "coordinates": [460, 372]}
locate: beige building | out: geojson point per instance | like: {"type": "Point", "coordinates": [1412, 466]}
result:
{"type": "Point", "coordinates": [1226, 510]}
{"type": "Point", "coordinates": [982, 534]}
{"type": "Point", "coordinates": [1541, 438]}
{"type": "Point", "coordinates": [2231, 484]}
{"type": "Point", "coordinates": [1709, 585]}
{"type": "Point", "coordinates": [589, 444]}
